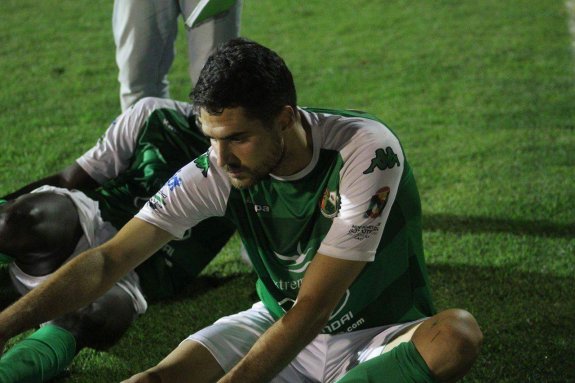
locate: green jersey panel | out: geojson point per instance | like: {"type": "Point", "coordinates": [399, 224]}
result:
{"type": "Point", "coordinates": [397, 279]}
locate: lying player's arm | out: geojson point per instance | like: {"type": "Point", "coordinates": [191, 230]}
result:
{"type": "Point", "coordinates": [323, 286]}
{"type": "Point", "coordinates": [72, 177]}
{"type": "Point", "coordinates": [84, 278]}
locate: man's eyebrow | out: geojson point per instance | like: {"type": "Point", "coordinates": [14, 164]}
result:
{"type": "Point", "coordinates": [224, 138]}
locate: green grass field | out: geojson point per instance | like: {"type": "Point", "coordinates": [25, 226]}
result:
{"type": "Point", "coordinates": [482, 94]}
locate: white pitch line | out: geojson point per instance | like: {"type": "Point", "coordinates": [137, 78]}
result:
{"type": "Point", "coordinates": [570, 4]}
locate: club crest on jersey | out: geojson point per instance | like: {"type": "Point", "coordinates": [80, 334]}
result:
{"type": "Point", "coordinates": [383, 160]}
{"type": "Point", "coordinates": [203, 163]}
{"type": "Point", "coordinates": [329, 204]}
{"type": "Point", "coordinates": [377, 203]}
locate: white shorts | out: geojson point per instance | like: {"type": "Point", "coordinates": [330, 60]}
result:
{"type": "Point", "coordinates": [325, 359]}
{"type": "Point", "coordinates": [96, 231]}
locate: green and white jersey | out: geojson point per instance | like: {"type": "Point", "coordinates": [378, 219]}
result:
{"type": "Point", "coordinates": [137, 154]}
{"type": "Point", "coordinates": [139, 151]}
{"type": "Point", "coordinates": [356, 200]}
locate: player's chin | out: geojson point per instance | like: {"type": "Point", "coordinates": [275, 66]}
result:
{"type": "Point", "coordinates": [241, 182]}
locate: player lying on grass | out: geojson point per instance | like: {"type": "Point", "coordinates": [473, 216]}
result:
{"type": "Point", "coordinates": [329, 212]}
{"type": "Point", "coordinates": [42, 227]}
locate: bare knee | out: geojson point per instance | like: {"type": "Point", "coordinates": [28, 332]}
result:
{"type": "Point", "coordinates": [465, 333]}
{"type": "Point", "coordinates": [39, 230]}
{"type": "Point", "coordinates": [103, 322]}
{"type": "Point", "coordinates": [15, 223]}
{"type": "Point", "coordinates": [450, 343]}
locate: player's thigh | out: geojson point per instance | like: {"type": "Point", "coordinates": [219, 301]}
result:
{"type": "Point", "coordinates": [102, 323]}
{"type": "Point", "coordinates": [389, 338]}
{"type": "Point", "coordinates": [231, 337]}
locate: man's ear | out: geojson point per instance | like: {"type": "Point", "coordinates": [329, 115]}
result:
{"type": "Point", "coordinates": [286, 118]}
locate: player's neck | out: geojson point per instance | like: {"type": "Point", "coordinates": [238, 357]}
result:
{"type": "Point", "coordinates": [298, 148]}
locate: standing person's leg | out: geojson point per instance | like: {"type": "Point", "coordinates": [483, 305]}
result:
{"type": "Point", "coordinates": [144, 34]}
{"type": "Point", "coordinates": [203, 39]}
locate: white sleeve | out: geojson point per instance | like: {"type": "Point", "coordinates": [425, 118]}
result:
{"type": "Point", "coordinates": [188, 198]}
{"type": "Point", "coordinates": [113, 152]}
{"type": "Point", "coordinates": [369, 180]}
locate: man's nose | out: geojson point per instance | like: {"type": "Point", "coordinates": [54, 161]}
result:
{"type": "Point", "coordinates": [222, 152]}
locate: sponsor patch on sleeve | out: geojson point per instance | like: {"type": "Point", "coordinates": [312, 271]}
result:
{"type": "Point", "coordinates": [377, 203]}
{"type": "Point", "coordinates": [174, 182]}
{"type": "Point", "coordinates": [158, 201]}
{"type": "Point", "coordinates": [361, 232]}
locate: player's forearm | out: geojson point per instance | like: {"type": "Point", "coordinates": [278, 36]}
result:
{"type": "Point", "coordinates": [76, 284]}
{"type": "Point", "coordinates": [279, 345]}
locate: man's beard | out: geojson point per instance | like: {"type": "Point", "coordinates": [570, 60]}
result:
{"type": "Point", "coordinates": [268, 164]}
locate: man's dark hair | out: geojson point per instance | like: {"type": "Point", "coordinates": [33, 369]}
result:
{"type": "Point", "coordinates": [243, 73]}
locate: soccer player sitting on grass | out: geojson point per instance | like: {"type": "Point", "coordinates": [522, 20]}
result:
{"type": "Point", "coordinates": [327, 207]}
{"type": "Point", "coordinates": [42, 227]}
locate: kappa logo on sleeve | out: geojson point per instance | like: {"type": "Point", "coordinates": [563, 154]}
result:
{"type": "Point", "coordinates": [203, 163]}
{"type": "Point", "coordinates": [377, 203]}
{"type": "Point", "coordinates": [383, 160]}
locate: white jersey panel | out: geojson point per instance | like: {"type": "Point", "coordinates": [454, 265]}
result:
{"type": "Point", "coordinates": [369, 180]}
{"type": "Point", "coordinates": [194, 193]}
{"type": "Point", "coordinates": [113, 152]}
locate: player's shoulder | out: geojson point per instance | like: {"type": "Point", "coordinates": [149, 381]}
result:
{"type": "Point", "coordinates": [146, 106]}
{"type": "Point", "coordinates": [341, 128]}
